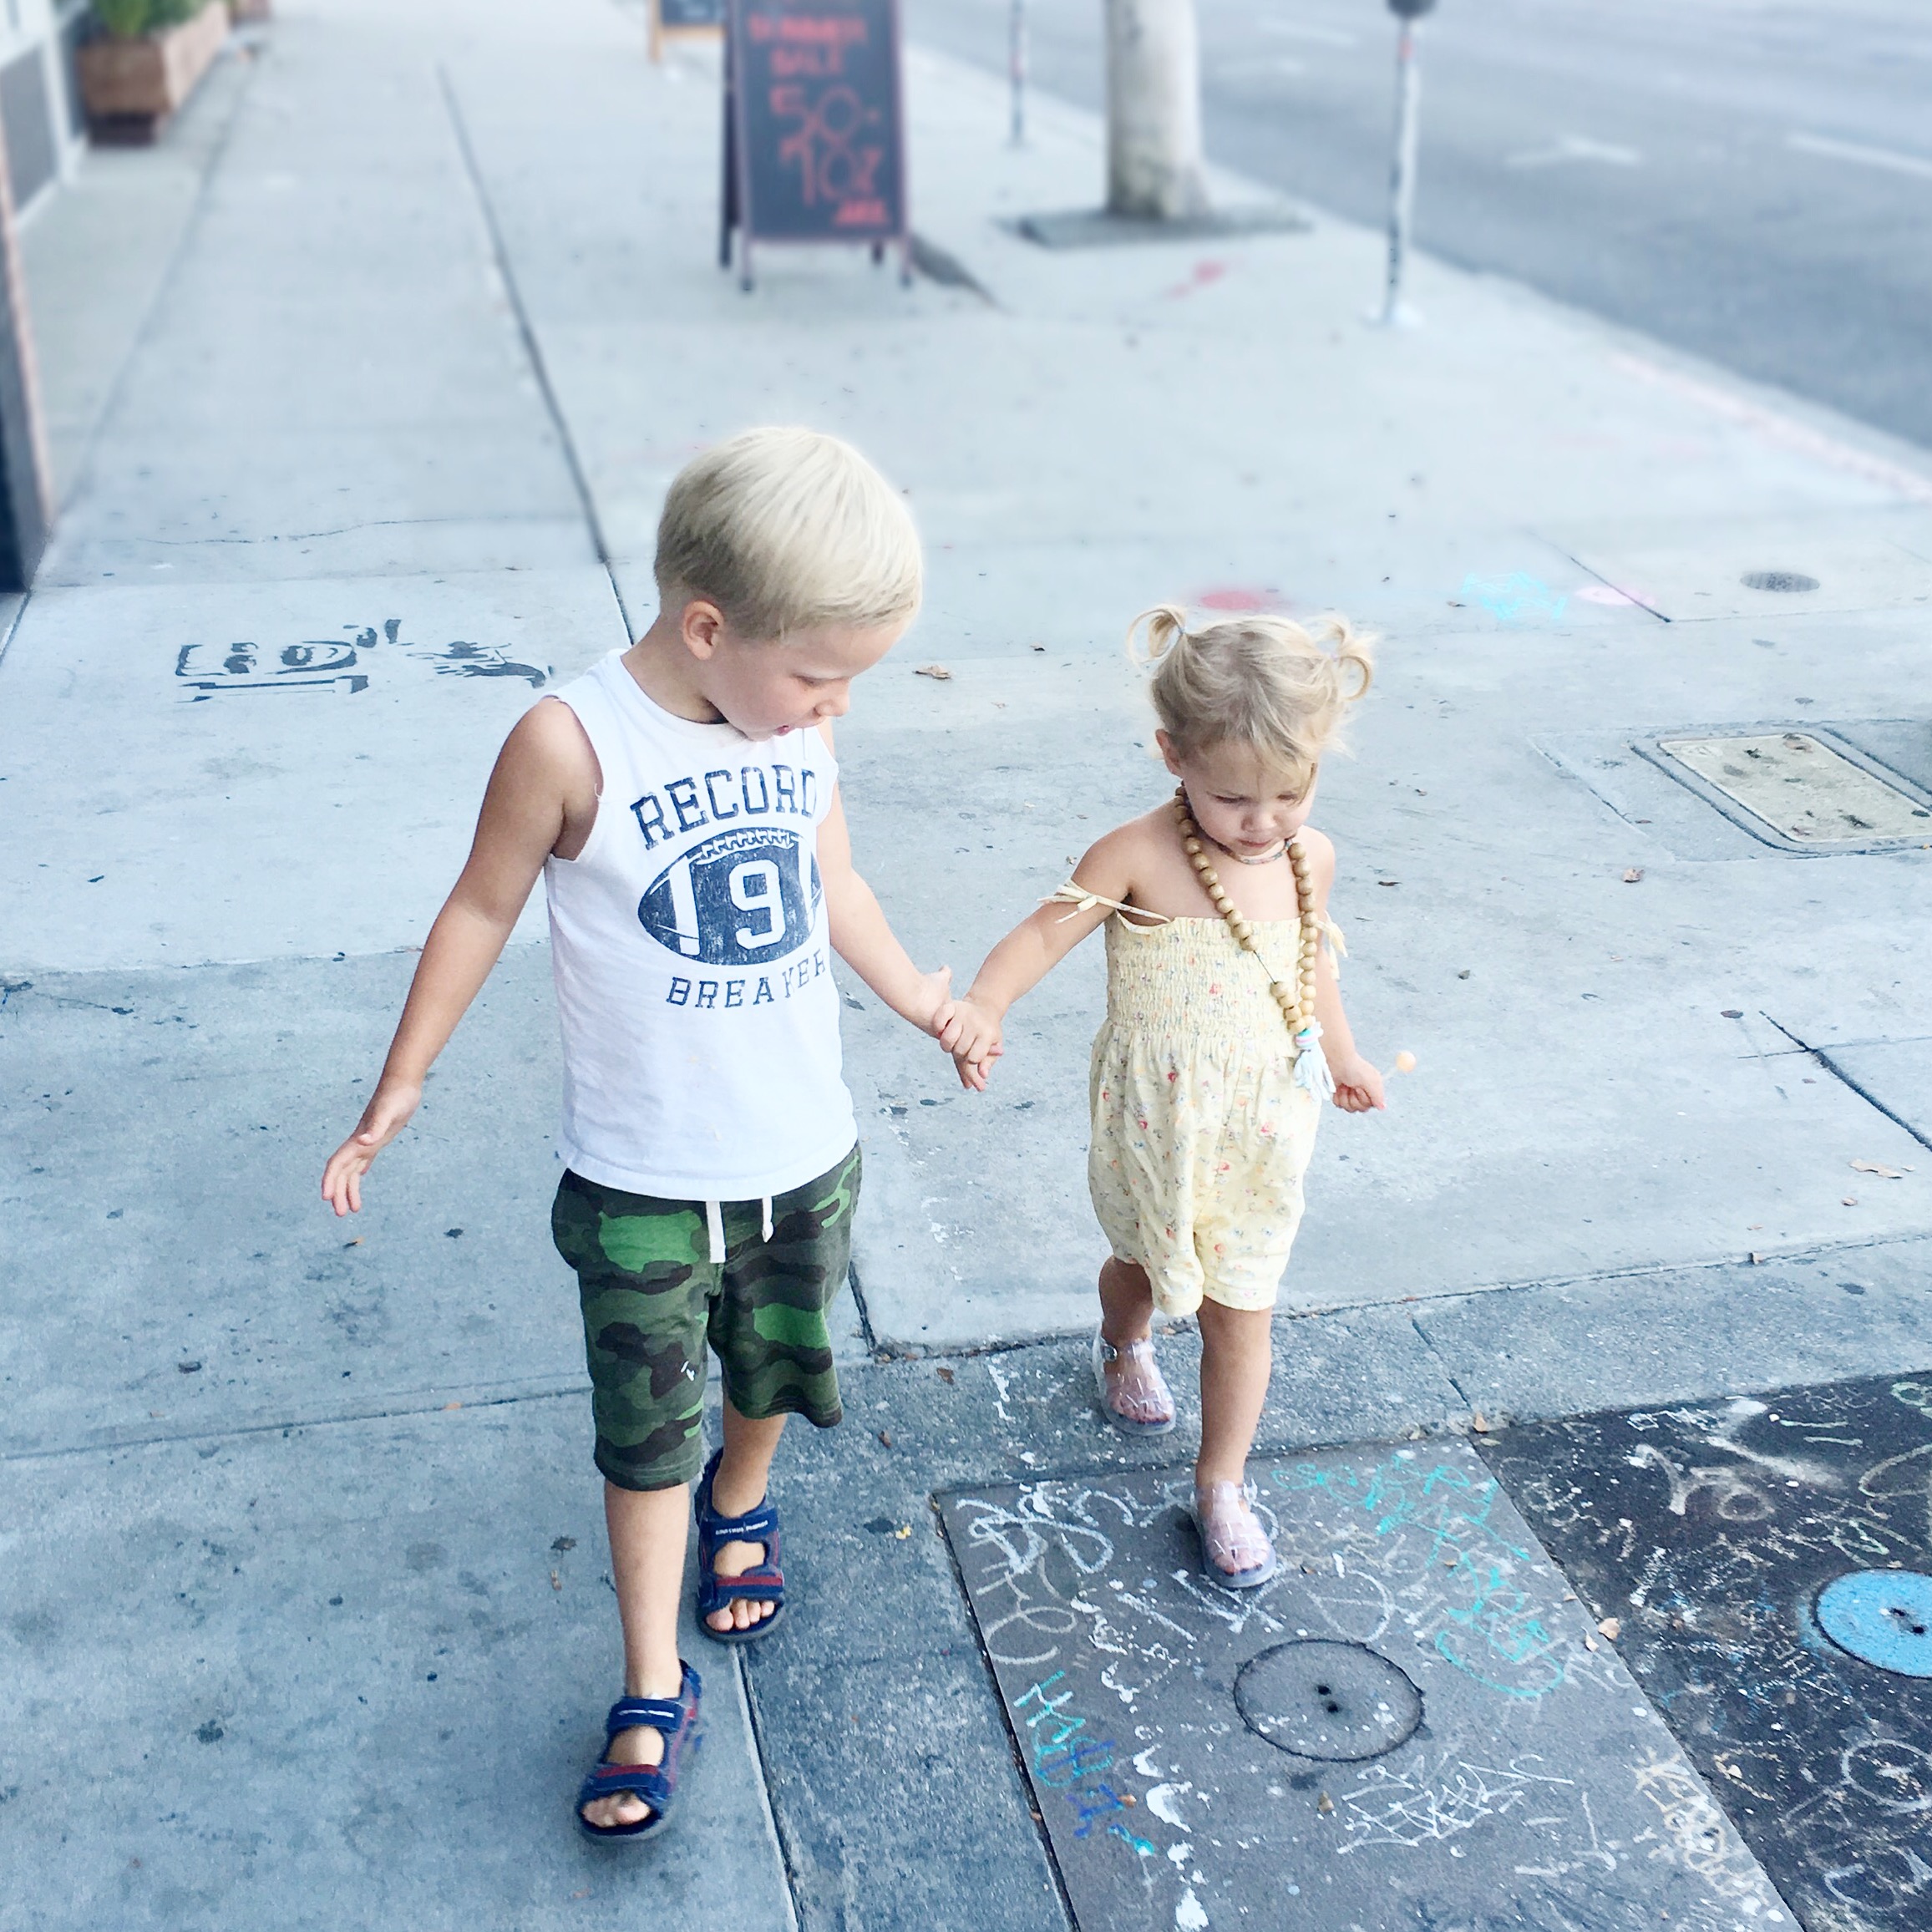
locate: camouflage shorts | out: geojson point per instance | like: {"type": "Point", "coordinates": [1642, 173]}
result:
{"type": "Point", "coordinates": [652, 1302]}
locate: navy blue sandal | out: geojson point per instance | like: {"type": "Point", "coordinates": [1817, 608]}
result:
{"type": "Point", "coordinates": [675, 1720]}
{"type": "Point", "coordinates": [764, 1584]}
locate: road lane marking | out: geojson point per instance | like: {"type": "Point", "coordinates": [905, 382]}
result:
{"type": "Point", "coordinates": [1295, 30]}
{"type": "Point", "coordinates": [1576, 148]}
{"type": "Point", "coordinates": [1889, 159]}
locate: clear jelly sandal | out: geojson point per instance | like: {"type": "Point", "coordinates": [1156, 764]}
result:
{"type": "Point", "coordinates": [1235, 1552]}
{"type": "Point", "coordinates": [1138, 1401]}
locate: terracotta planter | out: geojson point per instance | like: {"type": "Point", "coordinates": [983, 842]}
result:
{"type": "Point", "coordinates": [131, 87]}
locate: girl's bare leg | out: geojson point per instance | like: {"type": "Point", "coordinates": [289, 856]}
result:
{"type": "Point", "coordinates": [1237, 1352]}
{"type": "Point", "coordinates": [647, 1532]}
{"type": "Point", "coordinates": [1133, 1384]}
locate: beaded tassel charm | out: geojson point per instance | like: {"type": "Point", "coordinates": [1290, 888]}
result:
{"type": "Point", "coordinates": [1296, 1000]}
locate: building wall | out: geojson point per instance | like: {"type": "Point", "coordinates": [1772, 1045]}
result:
{"type": "Point", "coordinates": [39, 96]}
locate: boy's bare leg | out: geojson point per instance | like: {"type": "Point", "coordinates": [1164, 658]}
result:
{"type": "Point", "coordinates": [1127, 1317]}
{"type": "Point", "coordinates": [1237, 1351]}
{"type": "Point", "coordinates": [647, 1532]}
{"type": "Point", "coordinates": [744, 1471]}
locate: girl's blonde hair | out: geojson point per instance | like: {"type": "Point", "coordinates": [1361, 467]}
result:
{"type": "Point", "coordinates": [786, 530]}
{"type": "Point", "coordinates": [1277, 687]}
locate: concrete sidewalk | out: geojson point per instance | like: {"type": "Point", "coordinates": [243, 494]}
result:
{"type": "Point", "coordinates": [306, 1607]}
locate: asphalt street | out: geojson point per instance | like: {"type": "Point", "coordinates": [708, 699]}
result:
{"type": "Point", "coordinates": [1747, 180]}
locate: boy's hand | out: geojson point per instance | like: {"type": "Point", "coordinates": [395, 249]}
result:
{"type": "Point", "coordinates": [972, 1036]}
{"type": "Point", "coordinates": [383, 1119]}
{"type": "Point", "coordinates": [1357, 1084]}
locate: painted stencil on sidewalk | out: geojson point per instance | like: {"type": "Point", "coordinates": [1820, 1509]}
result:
{"type": "Point", "coordinates": [1767, 1559]}
{"type": "Point", "coordinates": [200, 772]}
{"type": "Point", "coordinates": [1414, 1725]}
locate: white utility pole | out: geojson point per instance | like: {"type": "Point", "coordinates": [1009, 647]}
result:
{"type": "Point", "coordinates": [1155, 168]}
{"type": "Point", "coordinates": [1016, 68]}
{"type": "Point", "coordinates": [1402, 180]}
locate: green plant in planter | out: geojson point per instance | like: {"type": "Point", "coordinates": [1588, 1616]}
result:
{"type": "Point", "coordinates": [128, 19]}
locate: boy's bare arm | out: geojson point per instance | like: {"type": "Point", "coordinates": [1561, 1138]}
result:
{"type": "Point", "coordinates": [862, 937]}
{"type": "Point", "coordinates": [542, 797]}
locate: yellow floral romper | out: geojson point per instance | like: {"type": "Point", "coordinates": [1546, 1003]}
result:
{"type": "Point", "coordinates": [1201, 1132]}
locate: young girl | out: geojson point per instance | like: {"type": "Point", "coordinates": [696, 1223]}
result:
{"type": "Point", "coordinates": [1223, 1032]}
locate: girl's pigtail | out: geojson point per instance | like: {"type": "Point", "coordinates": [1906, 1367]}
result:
{"type": "Point", "coordinates": [1165, 625]}
{"type": "Point", "coordinates": [1349, 649]}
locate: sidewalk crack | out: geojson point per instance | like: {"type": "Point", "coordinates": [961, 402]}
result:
{"type": "Point", "coordinates": [532, 349]}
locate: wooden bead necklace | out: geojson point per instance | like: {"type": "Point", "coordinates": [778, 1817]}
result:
{"type": "Point", "coordinates": [1296, 1002]}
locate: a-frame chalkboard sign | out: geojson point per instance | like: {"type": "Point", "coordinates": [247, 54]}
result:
{"type": "Point", "coordinates": [683, 20]}
{"type": "Point", "coordinates": [815, 127]}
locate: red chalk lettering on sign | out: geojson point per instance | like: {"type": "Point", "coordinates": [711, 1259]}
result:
{"type": "Point", "coordinates": [831, 169]}
{"type": "Point", "coordinates": [836, 32]}
{"type": "Point", "coordinates": [861, 214]}
{"type": "Point", "coordinates": [814, 63]}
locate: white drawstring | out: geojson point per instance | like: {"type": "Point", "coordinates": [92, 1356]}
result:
{"type": "Point", "coordinates": [714, 1224]}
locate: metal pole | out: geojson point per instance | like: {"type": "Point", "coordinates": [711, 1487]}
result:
{"type": "Point", "coordinates": [1401, 188]}
{"type": "Point", "coordinates": [1017, 62]}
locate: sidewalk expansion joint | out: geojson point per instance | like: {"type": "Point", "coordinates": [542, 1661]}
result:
{"type": "Point", "coordinates": [889, 1349]}
{"type": "Point", "coordinates": [1823, 1055]}
{"type": "Point", "coordinates": [146, 1439]}
{"type": "Point", "coordinates": [1015, 1742]}
{"type": "Point", "coordinates": [21, 601]}
{"type": "Point", "coordinates": [217, 154]}
{"type": "Point", "coordinates": [774, 1820]}
{"type": "Point", "coordinates": [871, 1339]}
{"type": "Point", "coordinates": [533, 350]}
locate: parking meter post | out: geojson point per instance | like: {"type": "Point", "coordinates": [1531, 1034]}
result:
{"type": "Point", "coordinates": [1017, 65]}
{"type": "Point", "coordinates": [1401, 197]}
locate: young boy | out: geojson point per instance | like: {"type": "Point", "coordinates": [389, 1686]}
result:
{"type": "Point", "coordinates": [682, 802]}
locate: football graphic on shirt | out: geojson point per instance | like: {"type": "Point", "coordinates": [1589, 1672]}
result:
{"type": "Point", "coordinates": [741, 898]}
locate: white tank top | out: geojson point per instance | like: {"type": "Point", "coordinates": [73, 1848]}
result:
{"type": "Point", "coordinates": [692, 955]}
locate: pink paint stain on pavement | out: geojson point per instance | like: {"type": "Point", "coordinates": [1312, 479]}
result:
{"type": "Point", "coordinates": [1205, 275]}
{"type": "Point", "coordinates": [1240, 597]}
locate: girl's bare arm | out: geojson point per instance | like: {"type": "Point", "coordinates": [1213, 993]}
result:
{"type": "Point", "coordinates": [1029, 953]}
{"type": "Point", "coordinates": [1357, 1084]}
{"type": "Point", "coordinates": [542, 796]}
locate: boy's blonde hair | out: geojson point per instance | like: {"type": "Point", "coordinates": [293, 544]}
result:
{"type": "Point", "coordinates": [784, 530]}
{"type": "Point", "coordinates": [1264, 682]}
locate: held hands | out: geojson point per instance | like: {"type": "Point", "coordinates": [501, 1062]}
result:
{"type": "Point", "coordinates": [972, 1036]}
{"type": "Point", "coordinates": [383, 1119]}
{"type": "Point", "coordinates": [932, 1004]}
{"type": "Point", "coordinates": [1357, 1084]}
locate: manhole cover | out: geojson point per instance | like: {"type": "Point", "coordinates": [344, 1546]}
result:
{"type": "Point", "coordinates": [1316, 1698]}
{"type": "Point", "coordinates": [1777, 581]}
{"type": "Point", "coordinates": [1808, 794]}
{"type": "Point", "coordinates": [1883, 1616]}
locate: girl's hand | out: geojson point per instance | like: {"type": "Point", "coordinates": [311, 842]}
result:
{"type": "Point", "coordinates": [972, 1036]}
{"type": "Point", "coordinates": [931, 1006]}
{"type": "Point", "coordinates": [383, 1119]}
{"type": "Point", "coordinates": [1357, 1084]}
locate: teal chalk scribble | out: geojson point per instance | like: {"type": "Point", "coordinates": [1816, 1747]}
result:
{"type": "Point", "coordinates": [1515, 599]}
{"type": "Point", "coordinates": [1492, 1627]}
